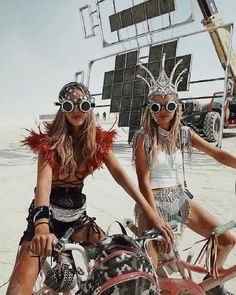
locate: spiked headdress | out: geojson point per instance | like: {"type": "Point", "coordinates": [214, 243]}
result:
{"type": "Point", "coordinates": [163, 85]}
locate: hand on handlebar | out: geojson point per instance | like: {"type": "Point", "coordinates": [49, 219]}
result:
{"type": "Point", "coordinates": [42, 244]}
{"type": "Point", "coordinates": [163, 246]}
{"type": "Point", "coordinates": [165, 230]}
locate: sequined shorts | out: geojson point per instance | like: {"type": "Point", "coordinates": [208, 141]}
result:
{"type": "Point", "coordinates": [172, 204]}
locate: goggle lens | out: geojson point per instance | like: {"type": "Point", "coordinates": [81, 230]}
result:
{"type": "Point", "coordinates": [171, 106]}
{"type": "Point", "coordinates": [85, 106]}
{"type": "Point", "coordinates": [67, 106]}
{"type": "Point", "coordinates": [155, 107]}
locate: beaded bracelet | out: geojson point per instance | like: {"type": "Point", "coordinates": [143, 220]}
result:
{"type": "Point", "coordinates": [43, 222]}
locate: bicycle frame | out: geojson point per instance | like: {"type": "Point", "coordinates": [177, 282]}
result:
{"type": "Point", "coordinates": [173, 286]}
{"type": "Point", "coordinates": [168, 285]}
{"type": "Point", "coordinates": [176, 286]}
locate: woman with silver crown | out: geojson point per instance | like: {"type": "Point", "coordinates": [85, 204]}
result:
{"type": "Point", "coordinates": [158, 150]}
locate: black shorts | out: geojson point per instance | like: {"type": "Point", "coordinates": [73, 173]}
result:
{"type": "Point", "coordinates": [63, 198]}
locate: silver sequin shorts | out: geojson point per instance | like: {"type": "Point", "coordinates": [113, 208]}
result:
{"type": "Point", "coordinates": [172, 204]}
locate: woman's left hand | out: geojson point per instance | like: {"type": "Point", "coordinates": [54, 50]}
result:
{"type": "Point", "coordinates": [163, 246]}
{"type": "Point", "coordinates": [165, 229]}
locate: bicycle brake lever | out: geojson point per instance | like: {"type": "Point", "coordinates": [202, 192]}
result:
{"type": "Point", "coordinates": [67, 234]}
{"type": "Point", "coordinates": [60, 245]}
{"type": "Point", "coordinates": [152, 234]}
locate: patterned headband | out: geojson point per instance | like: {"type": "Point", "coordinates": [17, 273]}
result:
{"type": "Point", "coordinates": [163, 85]}
{"type": "Point", "coordinates": [69, 89]}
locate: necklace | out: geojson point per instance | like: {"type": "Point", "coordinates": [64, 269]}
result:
{"type": "Point", "coordinates": [164, 132]}
{"type": "Point", "coordinates": [165, 141]}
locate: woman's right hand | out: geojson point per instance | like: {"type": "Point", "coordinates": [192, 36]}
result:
{"type": "Point", "coordinates": [43, 241]}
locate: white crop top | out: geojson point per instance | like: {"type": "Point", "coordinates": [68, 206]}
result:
{"type": "Point", "coordinates": [165, 171]}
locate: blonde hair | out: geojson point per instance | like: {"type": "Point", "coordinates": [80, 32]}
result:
{"type": "Point", "coordinates": [61, 139]}
{"type": "Point", "coordinates": [151, 128]}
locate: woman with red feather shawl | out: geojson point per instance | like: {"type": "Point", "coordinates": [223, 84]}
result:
{"type": "Point", "coordinates": [71, 148]}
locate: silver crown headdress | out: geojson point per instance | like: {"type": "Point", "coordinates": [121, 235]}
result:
{"type": "Point", "coordinates": [163, 85]}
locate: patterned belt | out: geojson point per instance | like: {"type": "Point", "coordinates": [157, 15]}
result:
{"type": "Point", "coordinates": [169, 194]}
{"type": "Point", "coordinates": [67, 215]}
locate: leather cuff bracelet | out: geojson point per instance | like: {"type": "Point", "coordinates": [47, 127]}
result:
{"type": "Point", "coordinates": [41, 212]}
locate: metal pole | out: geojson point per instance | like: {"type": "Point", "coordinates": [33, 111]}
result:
{"type": "Point", "coordinates": [91, 62]}
{"type": "Point", "coordinates": [226, 83]}
{"type": "Point", "coordinates": [77, 75]}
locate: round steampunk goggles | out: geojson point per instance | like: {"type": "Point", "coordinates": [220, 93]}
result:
{"type": "Point", "coordinates": [170, 106]}
{"type": "Point", "coordinates": [68, 105]}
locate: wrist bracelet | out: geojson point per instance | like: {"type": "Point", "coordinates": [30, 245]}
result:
{"type": "Point", "coordinates": [41, 212]}
{"type": "Point", "coordinates": [43, 222]}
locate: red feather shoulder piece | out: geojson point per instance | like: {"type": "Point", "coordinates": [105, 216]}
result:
{"type": "Point", "coordinates": [41, 142]}
{"type": "Point", "coordinates": [104, 141]}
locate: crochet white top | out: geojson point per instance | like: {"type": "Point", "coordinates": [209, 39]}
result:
{"type": "Point", "coordinates": [166, 169]}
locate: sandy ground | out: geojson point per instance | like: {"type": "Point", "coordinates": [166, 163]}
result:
{"type": "Point", "coordinates": [212, 185]}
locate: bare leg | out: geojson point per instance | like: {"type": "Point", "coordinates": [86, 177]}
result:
{"type": "Point", "coordinates": [202, 222]}
{"type": "Point", "coordinates": [152, 248]}
{"type": "Point", "coordinates": [24, 274]}
{"type": "Point", "coordinates": [88, 234]}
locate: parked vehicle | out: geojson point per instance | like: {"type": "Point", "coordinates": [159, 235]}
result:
{"type": "Point", "coordinates": [206, 119]}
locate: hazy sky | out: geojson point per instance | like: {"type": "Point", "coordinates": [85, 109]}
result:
{"type": "Point", "coordinates": [42, 46]}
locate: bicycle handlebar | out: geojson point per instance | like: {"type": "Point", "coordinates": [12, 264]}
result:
{"type": "Point", "coordinates": [75, 246]}
{"type": "Point", "coordinates": [64, 245]}
{"type": "Point", "coordinates": [224, 227]}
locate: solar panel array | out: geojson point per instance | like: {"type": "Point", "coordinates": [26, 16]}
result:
{"type": "Point", "coordinates": [139, 13]}
{"type": "Point", "coordinates": [128, 93]}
